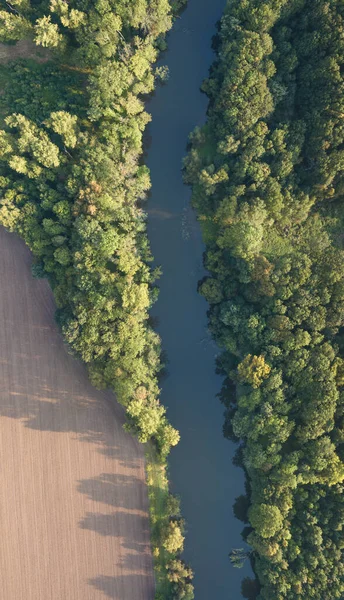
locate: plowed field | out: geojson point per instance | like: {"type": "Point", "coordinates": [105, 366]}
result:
{"type": "Point", "coordinates": [73, 502]}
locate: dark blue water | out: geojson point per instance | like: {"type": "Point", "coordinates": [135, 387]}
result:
{"type": "Point", "coordinates": [201, 467]}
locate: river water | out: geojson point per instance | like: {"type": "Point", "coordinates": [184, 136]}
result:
{"type": "Point", "coordinates": [201, 469]}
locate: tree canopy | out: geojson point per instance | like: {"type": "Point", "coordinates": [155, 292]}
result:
{"type": "Point", "coordinates": [267, 180]}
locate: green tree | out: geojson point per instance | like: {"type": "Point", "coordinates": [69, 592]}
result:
{"type": "Point", "coordinates": [173, 539]}
{"type": "Point", "coordinates": [47, 33]}
{"type": "Point", "coordinates": [14, 27]}
{"type": "Point", "coordinates": [64, 124]}
{"type": "Point", "coordinates": [253, 370]}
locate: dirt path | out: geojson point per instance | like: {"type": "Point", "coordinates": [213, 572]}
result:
{"type": "Point", "coordinates": [73, 502]}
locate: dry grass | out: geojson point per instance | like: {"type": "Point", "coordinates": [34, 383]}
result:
{"type": "Point", "coordinates": [23, 49]}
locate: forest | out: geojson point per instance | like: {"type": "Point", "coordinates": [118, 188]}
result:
{"type": "Point", "coordinates": [266, 172]}
{"type": "Point", "coordinates": [73, 186]}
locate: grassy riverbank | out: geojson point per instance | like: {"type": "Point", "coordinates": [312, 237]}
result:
{"type": "Point", "coordinates": [173, 578]}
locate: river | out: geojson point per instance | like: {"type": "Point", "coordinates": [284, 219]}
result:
{"type": "Point", "coordinates": [201, 469]}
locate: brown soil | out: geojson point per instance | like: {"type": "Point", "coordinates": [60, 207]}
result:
{"type": "Point", "coordinates": [73, 501]}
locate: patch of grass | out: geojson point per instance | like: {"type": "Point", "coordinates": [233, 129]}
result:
{"type": "Point", "coordinates": [23, 49]}
{"type": "Point", "coordinates": [207, 150]}
{"type": "Point", "coordinates": [209, 230]}
{"type": "Point", "coordinates": [158, 493]}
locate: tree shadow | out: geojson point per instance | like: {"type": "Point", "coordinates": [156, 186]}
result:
{"type": "Point", "coordinates": [128, 522]}
{"type": "Point", "coordinates": [90, 415]}
{"type": "Point", "coordinates": [250, 588]}
{"type": "Point", "coordinates": [41, 383]}
{"type": "Point", "coordinates": [117, 587]}
{"type": "Point", "coordinates": [121, 491]}
{"type": "Point", "coordinates": [130, 527]}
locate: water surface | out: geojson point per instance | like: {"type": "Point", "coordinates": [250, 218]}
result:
{"type": "Point", "coordinates": [201, 467]}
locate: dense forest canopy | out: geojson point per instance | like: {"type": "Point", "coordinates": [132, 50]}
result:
{"type": "Point", "coordinates": [268, 181]}
{"type": "Point", "coordinates": [72, 184]}
{"type": "Point", "coordinates": [71, 178]}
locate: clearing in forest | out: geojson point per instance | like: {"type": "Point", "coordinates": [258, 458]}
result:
{"type": "Point", "coordinates": [23, 49]}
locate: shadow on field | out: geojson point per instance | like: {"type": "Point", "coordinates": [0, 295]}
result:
{"type": "Point", "coordinates": [115, 524]}
{"type": "Point", "coordinates": [112, 586]}
{"type": "Point", "coordinates": [90, 415]}
{"type": "Point", "coordinates": [128, 522]}
{"type": "Point", "coordinates": [121, 491]}
{"type": "Point", "coordinates": [41, 382]}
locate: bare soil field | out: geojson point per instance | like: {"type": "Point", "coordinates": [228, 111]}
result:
{"type": "Point", "coordinates": [73, 501]}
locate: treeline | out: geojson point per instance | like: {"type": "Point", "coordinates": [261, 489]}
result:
{"type": "Point", "coordinates": [267, 178]}
{"type": "Point", "coordinates": [72, 181]}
